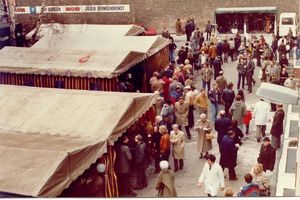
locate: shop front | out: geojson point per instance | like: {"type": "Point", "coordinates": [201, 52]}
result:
{"type": "Point", "coordinates": [256, 19]}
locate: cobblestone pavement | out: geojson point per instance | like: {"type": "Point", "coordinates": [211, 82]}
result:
{"type": "Point", "coordinates": [187, 179]}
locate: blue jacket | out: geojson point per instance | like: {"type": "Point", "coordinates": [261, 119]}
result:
{"type": "Point", "coordinates": [249, 190]}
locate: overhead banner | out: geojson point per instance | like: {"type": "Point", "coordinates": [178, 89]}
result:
{"type": "Point", "coordinates": [73, 9]}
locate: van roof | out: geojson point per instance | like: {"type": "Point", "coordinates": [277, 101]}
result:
{"type": "Point", "coordinates": [287, 14]}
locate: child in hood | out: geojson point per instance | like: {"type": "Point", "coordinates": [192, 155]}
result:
{"type": "Point", "coordinates": [247, 119]}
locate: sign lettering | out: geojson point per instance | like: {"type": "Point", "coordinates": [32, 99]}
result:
{"type": "Point", "coordinates": [73, 9]}
{"type": "Point", "coordinates": [20, 10]}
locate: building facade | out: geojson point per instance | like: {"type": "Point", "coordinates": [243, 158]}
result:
{"type": "Point", "coordinates": [151, 13]}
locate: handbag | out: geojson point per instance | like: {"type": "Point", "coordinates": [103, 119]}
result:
{"type": "Point", "coordinates": [209, 136]}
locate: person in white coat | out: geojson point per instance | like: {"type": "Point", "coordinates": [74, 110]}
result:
{"type": "Point", "coordinates": [260, 116]}
{"type": "Point", "coordinates": [212, 177]}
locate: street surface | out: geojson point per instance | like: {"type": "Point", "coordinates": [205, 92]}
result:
{"type": "Point", "coordinates": [186, 180]}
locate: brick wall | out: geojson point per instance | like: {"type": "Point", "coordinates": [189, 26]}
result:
{"type": "Point", "coordinates": [159, 14]}
{"type": "Point", "coordinates": [153, 13]}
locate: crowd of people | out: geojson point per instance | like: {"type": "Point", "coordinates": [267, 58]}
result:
{"type": "Point", "coordinates": [180, 94]}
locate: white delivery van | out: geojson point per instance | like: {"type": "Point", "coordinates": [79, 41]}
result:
{"type": "Point", "coordinates": [288, 21]}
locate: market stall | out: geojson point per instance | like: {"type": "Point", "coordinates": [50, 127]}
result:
{"type": "Point", "coordinates": [69, 69]}
{"type": "Point", "coordinates": [87, 68]}
{"type": "Point", "coordinates": [49, 137]}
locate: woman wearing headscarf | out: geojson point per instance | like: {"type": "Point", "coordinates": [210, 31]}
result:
{"type": "Point", "coordinates": [165, 181]}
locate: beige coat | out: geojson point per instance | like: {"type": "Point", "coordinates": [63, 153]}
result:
{"type": "Point", "coordinates": [178, 143]}
{"type": "Point", "coordinates": [181, 112]}
{"type": "Point", "coordinates": [166, 181]}
{"type": "Point", "coordinates": [203, 144]}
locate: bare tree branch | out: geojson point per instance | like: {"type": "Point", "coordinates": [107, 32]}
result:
{"type": "Point", "coordinates": [39, 21]}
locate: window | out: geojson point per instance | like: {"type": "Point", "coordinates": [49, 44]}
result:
{"type": "Point", "coordinates": [287, 21]}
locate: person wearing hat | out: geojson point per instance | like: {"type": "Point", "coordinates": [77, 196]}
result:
{"type": "Point", "coordinates": [165, 181]}
{"type": "Point", "coordinates": [212, 177]}
{"type": "Point", "coordinates": [267, 155]}
{"type": "Point", "coordinates": [181, 109]}
{"type": "Point", "coordinates": [248, 118]}
{"type": "Point", "coordinates": [277, 127]}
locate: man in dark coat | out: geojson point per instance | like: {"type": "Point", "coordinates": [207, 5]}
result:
{"type": "Point", "coordinates": [221, 126]}
{"type": "Point", "coordinates": [277, 127]}
{"type": "Point", "coordinates": [229, 154]}
{"type": "Point", "coordinates": [189, 29]}
{"type": "Point", "coordinates": [141, 162]}
{"type": "Point", "coordinates": [122, 167]}
{"type": "Point", "coordinates": [217, 64]}
{"type": "Point", "coordinates": [228, 96]}
{"type": "Point", "coordinates": [250, 72]}
{"type": "Point", "coordinates": [267, 155]}
{"type": "Point", "coordinates": [156, 147]}
{"type": "Point", "coordinates": [208, 29]}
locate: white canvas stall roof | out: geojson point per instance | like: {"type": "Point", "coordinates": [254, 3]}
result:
{"type": "Point", "coordinates": [48, 137]}
{"type": "Point", "coordinates": [43, 165]}
{"type": "Point", "coordinates": [99, 37]}
{"type": "Point", "coordinates": [99, 64]}
{"type": "Point", "coordinates": [246, 10]}
{"type": "Point", "coordinates": [106, 30]}
{"type": "Point", "coordinates": [73, 113]}
{"type": "Point", "coordinates": [85, 41]}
